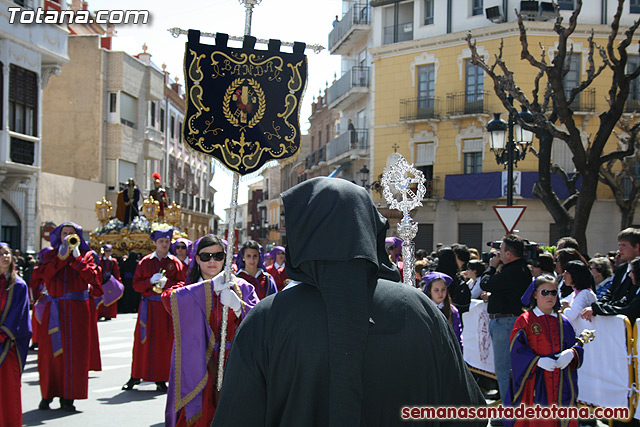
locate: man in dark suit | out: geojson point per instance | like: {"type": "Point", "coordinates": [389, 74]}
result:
{"type": "Point", "coordinates": [622, 291]}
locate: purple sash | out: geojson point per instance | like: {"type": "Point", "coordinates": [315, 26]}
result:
{"type": "Point", "coordinates": [113, 291]}
{"type": "Point", "coordinates": [54, 318]}
{"type": "Point", "coordinates": [40, 305]}
{"type": "Point", "coordinates": [143, 316]}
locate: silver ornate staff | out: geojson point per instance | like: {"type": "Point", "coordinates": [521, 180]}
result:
{"type": "Point", "coordinates": [398, 177]}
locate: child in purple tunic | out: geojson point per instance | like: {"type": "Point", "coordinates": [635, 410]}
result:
{"type": "Point", "coordinates": [436, 287]}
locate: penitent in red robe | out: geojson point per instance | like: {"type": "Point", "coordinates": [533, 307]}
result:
{"type": "Point", "coordinates": [536, 335]}
{"type": "Point", "coordinates": [153, 337]}
{"type": "Point", "coordinates": [95, 292]}
{"type": "Point", "coordinates": [36, 285]}
{"type": "Point", "coordinates": [109, 267]}
{"type": "Point", "coordinates": [64, 370]}
{"type": "Point", "coordinates": [279, 275]}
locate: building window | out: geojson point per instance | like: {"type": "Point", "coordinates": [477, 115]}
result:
{"type": "Point", "coordinates": [162, 113]}
{"type": "Point", "coordinates": [470, 235]}
{"type": "Point", "coordinates": [474, 88]}
{"type": "Point", "coordinates": [113, 102]}
{"type": "Point", "coordinates": [477, 7]}
{"type": "Point", "coordinates": [634, 6]}
{"type": "Point", "coordinates": [23, 100]}
{"type": "Point", "coordinates": [428, 12]}
{"type": "Point", "coordinates": [426, 90]}
{"type": "Point", "coordinates": [128, 110]}
{"type": "Point", "coordinates": [1, 94]}
{"type": "Point", "coordinates": [179, 130]}
{"type": "Point", "coordinates": [172, 126]}
{"type": "Point", "coordinates": [397, 23]}
{"type": "Point", "coordinates": [152, 114]}
{"type": "Point", "coordinates": [472, 163]}
{"type": "Point", "coordinates": [566, 4]}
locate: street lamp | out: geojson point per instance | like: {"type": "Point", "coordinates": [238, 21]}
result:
{"type": "Point", "coordinates": [503, 139]}
{"type": "Point", "coordinates": [363, 175]}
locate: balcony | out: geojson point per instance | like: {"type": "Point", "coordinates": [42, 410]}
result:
{"type": "Point", "coordinates": [350, 30]}
{"type": "Point", "coordinates": [632, 105]}
{"type": "Point", "coordinates": [462, 103]}
{"type": "Point", "coordinates": [22, 151]}
{"type": "Point", "coordinates": [397, 33]}
{"type": "Point", "coordinates": [585, 102]}
{"type": "Point", "coordinates": [414, 109]}
{"type": "Point", "coordinates": [351, 87]}
{"type": "Point", "coordinates": [315, 158]}
{"type": "Point", "coordinates": [347, 144]}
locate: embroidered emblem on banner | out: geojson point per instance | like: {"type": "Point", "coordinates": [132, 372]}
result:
{"type": "Point", "coordinates": [243, 104]}
{"type": "Point", "coordinates": [536, 329]}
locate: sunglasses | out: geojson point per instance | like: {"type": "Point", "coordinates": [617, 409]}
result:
{"type": "Point", "coordinates": [390, 248]}
{"type": "Point", "coordinates": [205, 256]}
{"type": "Point", "coordinates": [547, 292]}
{"type": "Point", "coordinates": [181, 247]}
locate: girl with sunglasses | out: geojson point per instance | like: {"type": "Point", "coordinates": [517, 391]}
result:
{"type": "Point", "coordinates": [578, 276]}
{"type": "Point", "coordinates": [180, 249]}
{"type": "Point", "coordinates": [544, 355]}
{"type": "Point", "coordinates": [197, 311]}
{"type": "Point", "coordinates": [251, 268]}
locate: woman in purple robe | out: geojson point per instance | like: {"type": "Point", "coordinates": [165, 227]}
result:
{"type": "Point", "coordinates": [15, 333]}
{"type": "Point", "coordinates": [197, 311]}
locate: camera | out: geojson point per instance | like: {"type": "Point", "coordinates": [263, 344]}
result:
{"type": "Point", "coordinates": [531, 250]}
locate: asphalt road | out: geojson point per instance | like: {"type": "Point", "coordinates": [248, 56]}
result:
{"type": "Point", "coordinates": [107, 404]}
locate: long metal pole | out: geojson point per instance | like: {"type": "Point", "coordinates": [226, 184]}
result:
{"type": "Point", "coordinates": [233, 210]}
{"type": "Point", "coordinates": [510, 147]}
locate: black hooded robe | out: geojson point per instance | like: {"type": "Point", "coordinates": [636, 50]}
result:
{"type": "Point", "coordinates": [346, 347]}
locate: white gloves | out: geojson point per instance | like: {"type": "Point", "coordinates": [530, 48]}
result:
{"type": "Point", "coordinates": [230, 299]}
{"type": "Point", "coordinates": [155, 278]}
{"type": "Point", "coordinates": [76, 252]}
{"type": "Point", "coordinates": [161, 283]}
{"type": "Point", "coordinates": [565, 358]}
{"type": "Point", "coordinates": [219, 284]}
{"type": "Point", "coordinates": [547, 363]}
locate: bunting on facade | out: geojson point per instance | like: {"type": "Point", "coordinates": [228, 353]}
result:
{"type": "Point", "coordinates": [243, 104]}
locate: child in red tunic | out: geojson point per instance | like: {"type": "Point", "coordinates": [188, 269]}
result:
{"type": "Point", "coordinates": [251, 268]}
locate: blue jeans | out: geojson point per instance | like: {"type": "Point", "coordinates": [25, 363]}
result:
{"type": "Point", "coordinates": [500, 330]}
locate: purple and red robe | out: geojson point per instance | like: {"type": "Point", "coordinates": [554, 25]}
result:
{"type": "Point", "coordinates": [197, 316]}
{"type": "Point", "coordinates": [15, 333]}
{"type": "Point", "coordinates": [263, 283]}
{"type": "Point", "coordinates": [153, 337]}
{"type": "Point", "coordinates": [64, 342]}
{"type": "Point", "coordinates": [36, 286]}
{"type": "Point", "coordinates": [108, 308]}
{"type": "Point", "coordinates": [279, 275]}
{"type": "Point", "coordinates": [537, 335]}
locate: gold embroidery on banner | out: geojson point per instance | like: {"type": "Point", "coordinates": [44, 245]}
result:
{"type": "Point", "coordinates": [213, 131]}
{"type": "Point", "coordinates": [195, 93]}
{"type": "Point", "coordinates": [270, 135]}
{"type": "Point", "coordinates": [244, 102]}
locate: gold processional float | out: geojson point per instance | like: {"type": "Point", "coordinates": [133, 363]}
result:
{"type": "Point", "coordinates": [134, 236]}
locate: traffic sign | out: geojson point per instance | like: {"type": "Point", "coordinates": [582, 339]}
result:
{"type": "Point", "coordinates": [509, 216]}
{"type": "Point", "coordinates": [48, 228]}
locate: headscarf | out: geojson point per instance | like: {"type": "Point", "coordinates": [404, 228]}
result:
{"type": "Point", "coordinates": [240, 261]}
{"type": "Point", "coordinates": [56, 241]}
{"type": "Point", "coordinates": [430, 277]}
{"type": "Point", "coordinates": [166, 233]}
{"type": "Point", "coordinates": [397, 242]}
{"type": "Point", "coordinates": [187, 242]}
{"type": "Point", "coordinates": [275, 250]}
{"type": "Point", "coordinates": [336, 244]}
{"type": "Point", "coordinates": [43, 251]}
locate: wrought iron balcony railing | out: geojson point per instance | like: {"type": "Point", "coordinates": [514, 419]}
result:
{"type": "Point", "coordinates": [467, 103]}
{"type": "Point", "coordinates": [355, 77]}
{"type": "Point", "coordinates": [419, 108]}
{"type": "Point", "coordinates": [359, 14]}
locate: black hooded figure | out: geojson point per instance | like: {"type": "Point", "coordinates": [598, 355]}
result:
{"type": "Point", "coordinates": [350, 345]}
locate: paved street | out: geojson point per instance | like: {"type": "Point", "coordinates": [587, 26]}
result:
{"type": "Point", "coordinates": [107, 404]}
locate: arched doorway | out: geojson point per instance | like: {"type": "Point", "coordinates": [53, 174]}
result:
{"type": "Point", "coordinates": [10, 226]}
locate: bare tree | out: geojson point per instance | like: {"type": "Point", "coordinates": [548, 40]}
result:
{"type": "Point", "coordinates": [551, 102]}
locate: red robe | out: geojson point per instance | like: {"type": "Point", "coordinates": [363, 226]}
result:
{"type": "Point", "coordinates": [109, 266]}
{"type": "Point", "coordinates": [279, 275]}
{"type": "Point", "coordinates": [152, 358]}
{"type": "Point", "coordinates": [536, 336]}
{"type": "Point", "coordinates": [95, 362]}
{"type": "Point", "coordinates": [264, 284]}
{"type": "Point", "coordinates": [36, 285]}
{"type": "Point", "coordinates": [66, 374]}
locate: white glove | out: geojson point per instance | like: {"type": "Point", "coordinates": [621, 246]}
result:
{"type": "Point", "coordinates": [162, 283]}
{"type": "Point", "coordinates": [155, 278]}
{"type": "Point", "coordinates": [231, 300]}
{"type": "Point", "coordinates": [547, 363]}
{"type": "Point", "coordinates": [76, 252]}
{"type": "Point", "coordinates": [219, 284]}
{"type": "Point", "coordinates": [565, 358]}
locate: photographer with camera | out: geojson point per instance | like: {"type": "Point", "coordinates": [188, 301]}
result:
{"type": "Point", "coordinates": [507, 278]}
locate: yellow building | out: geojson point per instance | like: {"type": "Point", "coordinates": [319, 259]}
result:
{"type": "Point", "coordinates": [432, 105]}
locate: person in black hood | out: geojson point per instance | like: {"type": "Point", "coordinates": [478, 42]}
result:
{"type": "Point", "coordinates": [349, 345]}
